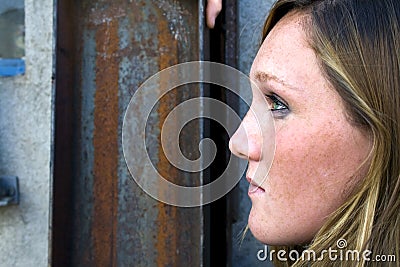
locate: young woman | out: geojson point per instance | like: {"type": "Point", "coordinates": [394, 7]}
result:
{"type": "Point", "coordinates": [330, 72]}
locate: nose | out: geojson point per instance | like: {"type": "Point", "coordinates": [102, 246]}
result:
{"type": "Point", "coordinates": [246, 142]}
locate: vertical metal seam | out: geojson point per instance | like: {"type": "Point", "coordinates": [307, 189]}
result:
{"type": "Point", "coordinates": [52, 135]}
{"type": "Point", "coordinates": [201, 21]}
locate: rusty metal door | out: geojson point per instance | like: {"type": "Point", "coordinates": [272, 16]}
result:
{"type": "Point", "coordinates": [105, 50]}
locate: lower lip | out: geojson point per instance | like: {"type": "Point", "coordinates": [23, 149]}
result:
{"type": "Point", "coordinates": [255, 190]}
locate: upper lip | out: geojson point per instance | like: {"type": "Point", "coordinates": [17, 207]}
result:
{"type": "Point", "coordinates": [251, 181]}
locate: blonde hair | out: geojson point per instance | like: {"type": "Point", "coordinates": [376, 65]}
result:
{"type": "Point", "coordinates": [358, 45]}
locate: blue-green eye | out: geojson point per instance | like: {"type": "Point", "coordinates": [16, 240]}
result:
{"type": "Point", "coordinates": [277, 106]}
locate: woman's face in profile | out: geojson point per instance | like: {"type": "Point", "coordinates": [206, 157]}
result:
{"type": "Point", "coordinates": [318, 151]}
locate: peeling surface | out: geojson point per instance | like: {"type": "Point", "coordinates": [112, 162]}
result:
{"type": "Point", "coordinates": [174, 14]}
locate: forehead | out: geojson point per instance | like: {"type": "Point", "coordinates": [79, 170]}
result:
{"type": "Point", "coordinates": [286, 53]}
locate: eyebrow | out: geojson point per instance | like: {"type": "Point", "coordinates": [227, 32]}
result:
{"type": "Point", "coordinates": [261, 76]}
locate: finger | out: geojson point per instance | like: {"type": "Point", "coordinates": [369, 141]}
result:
{"type": "Point", "coordinates": [213, 9]}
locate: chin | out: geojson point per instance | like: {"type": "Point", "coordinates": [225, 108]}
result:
{"type": "Point", "coordinates": [276, 234]}
{"type": "Point", "coordinates": [261, 229]}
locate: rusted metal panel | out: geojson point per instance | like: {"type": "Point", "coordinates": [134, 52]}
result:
{"type": "Point", "coordinates": [118, 45]}
{"type": "Point", "coordinates": [105, 145]}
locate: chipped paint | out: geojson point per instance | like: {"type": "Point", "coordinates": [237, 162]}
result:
{"type": "Point", "coordinates": [174, 14]}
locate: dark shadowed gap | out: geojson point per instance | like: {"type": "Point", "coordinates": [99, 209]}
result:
{"type": "Point", "coordinates": [62, 201]}
{"type": "Point", "coordinates": [219, 218]}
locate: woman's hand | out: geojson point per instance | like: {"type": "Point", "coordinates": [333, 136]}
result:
{"type": "Point", "coordinates": [213, 9]}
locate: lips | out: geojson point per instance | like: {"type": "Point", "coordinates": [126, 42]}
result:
{"type": "Point", "coordinates": [254, 187]}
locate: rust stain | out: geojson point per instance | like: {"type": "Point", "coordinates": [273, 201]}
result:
{"type": "Point", "coordinates": [105, 143]}
{"type": "Point", "coordinates": [167, 235]}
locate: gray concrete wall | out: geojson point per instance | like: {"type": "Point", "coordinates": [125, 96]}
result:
{"type": "Point", "coordinates": [25, 143]}
{"type": "Point", "coordinates": [252, 15]}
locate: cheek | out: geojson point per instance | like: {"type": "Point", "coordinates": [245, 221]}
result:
{"type": "Point", "coordinates": [299, 161]}
{"type": "Point", "coordinates": [318, 162]}
{"type": "Point", "coordinates": [309, 178]}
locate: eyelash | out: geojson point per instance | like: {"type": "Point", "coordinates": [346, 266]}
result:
{"type": "Point", "coordinates": [280, 111]}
